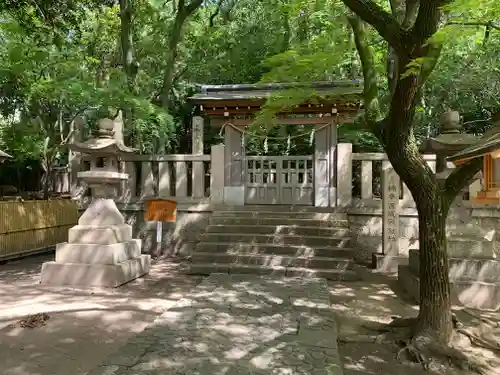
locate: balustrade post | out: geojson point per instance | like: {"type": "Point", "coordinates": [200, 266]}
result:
{"type": "Point", "coordinates": [198, 176]}
{"type": "Point", "coordinates": [366, 179]}
{"type": "Point", "coordinates": [344, 174]}
{"type": "Point", "coordinates": [147, 180]}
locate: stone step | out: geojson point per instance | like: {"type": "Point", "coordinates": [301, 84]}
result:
{"type": "Point", "coordinates": [284, 220]}
{"type": "Point", "coordinates": [209, 268]}
{"type": "Point", "coordinates": [468, 293]}
{"type": "Point", "coordinates": [278, 229]}
{"type": "Point", "coordinates": [272, 249]}
{"type": "Point", "coordinates": [281, 214]}
{"type": "Point", "coordinates": [470, 247]}
{"type": "Point", "coordinates": [472, 269]}
{"type": "Point", "coordinates": [275, 208]}
{"type": "Point", "coordinates": [235, 238]}
{"type": "Point", "coordinates": [273, 260]}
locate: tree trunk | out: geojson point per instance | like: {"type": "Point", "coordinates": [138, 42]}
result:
{"type": "Point", "coordinates": [183, 12]}
{"type": "Point", "coordinates": [127, 43]}
{"type": "Point", "coordinates": [435, 318]}
{"type": "Point", "coordinates": [168, 74]}
{"type": "Point", "coordinates": [432, 205]}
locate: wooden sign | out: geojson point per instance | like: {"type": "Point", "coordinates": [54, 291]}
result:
{"type": "Point", "coordinates": [161, 210]}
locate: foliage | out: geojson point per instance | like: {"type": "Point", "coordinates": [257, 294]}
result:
{"type": "Point", "coordinates": [65, 56]}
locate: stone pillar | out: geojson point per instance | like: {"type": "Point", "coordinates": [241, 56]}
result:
{"type": "Point", "coordinates": [344, 174]}
{"type": "Point", "coordinates": [390, 210]}
{"type": "Point", "coordinates": [217, 174]}
{"type": "Point", "coordinates": [198, 177]}
{"type": "Point", "coordinates": [333, 162]}
{"type": "Point", "coordinates": [197, 135]}
{"type": "Point", "coordinates": [163, 179]}
{"type": "Point", "coordinates": [234, 155]}
{"type": "Point", "coordinates": [129, 193]}
{"type": "Point", "coordinates": [322, 166]}
{"type": "Point", "coordinates": [180, 179]}
{"type": "Point", "coordinates": [366, 179]}
{"type": "Point", "coordinates": [147, 180]}
{"type": "Point", "coordinates": [118, 127]}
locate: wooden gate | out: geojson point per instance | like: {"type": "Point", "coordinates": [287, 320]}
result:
{"type": "Point", "coordinates": [279, 180]}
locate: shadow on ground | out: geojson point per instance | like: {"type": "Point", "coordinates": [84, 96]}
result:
{"type": "Point", "coordinates": [375, 300]}
{"type": "Point", "coordinates": [85, 325]}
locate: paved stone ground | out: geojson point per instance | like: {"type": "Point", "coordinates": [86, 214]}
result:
{"type": "Point", "coordinates": [86, 325]}
{"type": "Point", "coordinates": [237, 325]}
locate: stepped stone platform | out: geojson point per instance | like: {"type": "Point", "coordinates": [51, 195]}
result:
{"type": "Point", "coordinates": [275, 240]}
{"type": "Point", "coordinates": [475, 283]}
{"type": "Point", "coordinates": [237, 325]}
{"type": "Point", "coordinates": [100, 251]}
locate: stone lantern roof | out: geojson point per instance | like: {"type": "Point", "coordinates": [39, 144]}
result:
{"type": "Point", "coordinates": [487, 144]}
{"type": "Point", "coordinates": [4, 156]}
{"type": "Point", "coordinates": [450, 140]}
{"type": "Point", "coordinates": [104, 143]}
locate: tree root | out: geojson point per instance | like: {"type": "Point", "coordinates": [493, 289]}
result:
{"type": "Point", "coordinates": [423, 348]}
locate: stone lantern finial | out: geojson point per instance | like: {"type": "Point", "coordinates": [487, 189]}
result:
{"type": "Point", "coordinates": [450, 122]}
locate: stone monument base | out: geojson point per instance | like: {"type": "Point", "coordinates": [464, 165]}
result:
{"type": "Point", "coordinates": [100, 251]}
{"type": "Point", "coordinates": [95, 274]}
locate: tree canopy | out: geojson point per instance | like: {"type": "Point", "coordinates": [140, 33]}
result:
{"type": "Point", "coordinates": [61, 60]}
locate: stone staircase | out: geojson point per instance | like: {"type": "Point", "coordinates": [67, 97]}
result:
{"type": "Point", "coordinates": [276, 240]}
{"type": "Point", "coordinates": [475, 282]}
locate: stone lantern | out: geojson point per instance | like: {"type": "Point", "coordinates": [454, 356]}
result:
{"type": "Point", "coordinates": [4, 156]}
{"type": "Point", "coordinates": [448, 142]}
{"type": "Point", "coordinates": [465, 238]}
{"type": "Point", "coordinates": [100, 250]}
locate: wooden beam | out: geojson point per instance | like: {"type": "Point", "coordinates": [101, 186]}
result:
{"type": "Point", "coordinates": [219, 121]}
{"type": "Point", "coordinates": [224, 112]}
{"type": "Point", "coordinates": [338, 119]}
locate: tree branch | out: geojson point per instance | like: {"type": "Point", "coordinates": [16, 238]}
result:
{"type": "Point", "coordinates": [427, 22]}
{"type": "Point", "coordinates": [370, 89]}
{"type": "Point", "coordinates": [461, 177]}
{"type": "Point", "coordinates": [386, 25]}
{"type": "Point", "coordinates": [215, 14]}
{"type": "Point", "coordinates": [489, 24]}
{"type": "Point", "coordinates": [193, 5]}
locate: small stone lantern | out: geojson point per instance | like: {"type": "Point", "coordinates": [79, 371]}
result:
{"type": "Point", "coordinates": [100, 250]}
{"type": "Point", "coordinates": [448, 142]}
{"type": "Point", "coordinates": [4, 156]}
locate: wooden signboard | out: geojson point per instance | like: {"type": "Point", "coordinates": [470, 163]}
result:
{"type": "Point", "coordinates": [161, 210]}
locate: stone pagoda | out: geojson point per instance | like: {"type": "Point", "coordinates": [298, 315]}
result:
{"type": "Point", "coordinates": [100, 250]}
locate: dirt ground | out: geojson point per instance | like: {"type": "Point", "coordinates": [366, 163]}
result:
{"type": "Point", "coordinates": [375, 300]}
{"type": "Point", "coordinates": [86, 325]}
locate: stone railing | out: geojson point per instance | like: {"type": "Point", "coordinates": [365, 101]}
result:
{"type": "Point", "coordinates": [184, 178]}
{"type": "Point", "coordinates": [367, 187]}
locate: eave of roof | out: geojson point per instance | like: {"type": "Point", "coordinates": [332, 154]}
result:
{"type": "Point", "coordinates": [349, 89]}
{"type": "Point", "coordinates": [482, 147]}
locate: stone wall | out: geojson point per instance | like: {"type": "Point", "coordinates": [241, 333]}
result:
{"type": "Point", "coordinates": [365, 224]}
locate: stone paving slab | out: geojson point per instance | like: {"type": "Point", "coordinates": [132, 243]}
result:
{"type": "Point", "coordinates": [237, 325]}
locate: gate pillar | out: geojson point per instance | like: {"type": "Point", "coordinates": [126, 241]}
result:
{"type": "Point", "coordinates": [325, 144]}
